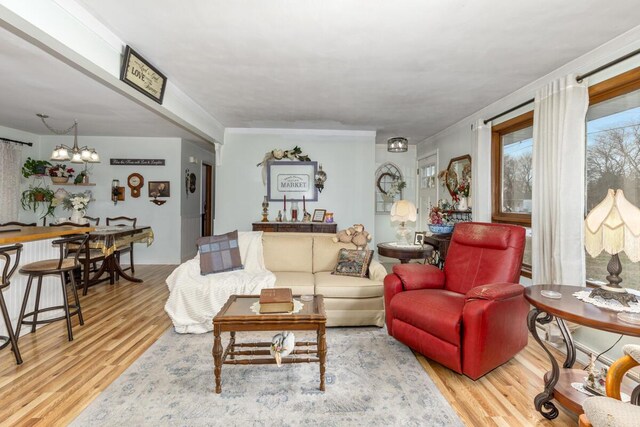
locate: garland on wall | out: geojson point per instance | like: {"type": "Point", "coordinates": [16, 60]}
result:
{"type": "Point", "coordinates": [278, 154]}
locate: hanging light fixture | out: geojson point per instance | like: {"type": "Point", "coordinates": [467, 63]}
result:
{"type": "Point", "coordinates": [397, 144]}
{"type": "Point", "coordinates": [75, 154]}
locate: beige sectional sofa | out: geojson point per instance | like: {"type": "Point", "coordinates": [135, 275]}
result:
{"type": "Point", "coordinates": [304, 262]}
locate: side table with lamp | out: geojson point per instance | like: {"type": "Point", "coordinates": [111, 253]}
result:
{"type": "Point", "coordinates": [612, 226]}
{"type": "Point", "coordinates": [403, 211]}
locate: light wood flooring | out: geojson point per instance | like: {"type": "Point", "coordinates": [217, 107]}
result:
{"type": "Point", "coordinates": [58, 379]}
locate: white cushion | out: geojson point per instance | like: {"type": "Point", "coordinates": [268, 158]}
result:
{"type": "Point", "coordinates": [335, 286]}
{"type": "Point", "coordinates": [609, 412]}
{"type": "Point", "coordinates": [287, 252]}
{"type": "Point", "coordinates": [300, 283]}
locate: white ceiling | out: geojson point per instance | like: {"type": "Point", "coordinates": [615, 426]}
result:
{"type": "Point", "coordinates": [410, 67]}
{"type": "Point", "coordinates": [32, 81]}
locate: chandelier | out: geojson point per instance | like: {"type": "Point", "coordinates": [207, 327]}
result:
{"type": "Point", "coordinates": [75, 154]}
{"type": "Point", "coordinates": [397, 144]}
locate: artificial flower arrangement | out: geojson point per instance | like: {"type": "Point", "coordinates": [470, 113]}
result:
{"type": "Point", "coordinates": [462, 190]}
{"type": "Point", "coordinates": [77, 201]}
{"type": "Point", "coordinates": [278, 154]}
{"type": "Point", "coordinates": [60, 171]}
{"type": "Point", "coordinates": [396, 187]}
{"type": "Point", "coordinates": [441, 213]}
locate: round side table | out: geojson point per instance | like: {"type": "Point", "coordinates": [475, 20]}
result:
{"type": "Point", "coordinates": [404, 253]}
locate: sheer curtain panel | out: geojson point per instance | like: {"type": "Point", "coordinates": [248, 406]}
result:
{"type": "Point", "coordinates": [10, 164]}
{"type": "Point", "coordinates": [559, 182]}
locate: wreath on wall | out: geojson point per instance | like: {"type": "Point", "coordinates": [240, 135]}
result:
{"type": "Point", "coordinates": [278, 154]}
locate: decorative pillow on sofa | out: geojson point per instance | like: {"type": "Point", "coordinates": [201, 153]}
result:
{"type": "Point", "coordinates": [219, 253]}
{"type": "Point", "coordinates": [353, 262]}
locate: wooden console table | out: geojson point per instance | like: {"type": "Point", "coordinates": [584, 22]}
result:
{"type": "Point", "coordinates": [440, 243]}
{"type": "Point", "coordinates": [295, 227]}
{"type": "Point", "coordinates": [557, 382]}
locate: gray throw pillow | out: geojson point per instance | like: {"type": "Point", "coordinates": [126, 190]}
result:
{"type": "Point", "coordinates": [353, 262]}
{"type": "Point", "coordinates": [219, 253]}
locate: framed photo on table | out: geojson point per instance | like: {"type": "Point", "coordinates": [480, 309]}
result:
{"type": "Point", "coordinates": [418, 238]}
{"type": "Point", "coordinates": [295, 180]}
{"type": "Point", "coordinates": [318, 215]}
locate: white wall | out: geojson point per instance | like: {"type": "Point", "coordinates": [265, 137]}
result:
{"type": "Point", "coordinates": [191, 204]}
{"type": "Point", "coordinates": [458, 138]}
{"type": "Point", "coordinates": [348, 158]}
{"type": "Point", "coordinates": [164, 220]}
{"type": "Point", "coordinates": [385, 231]}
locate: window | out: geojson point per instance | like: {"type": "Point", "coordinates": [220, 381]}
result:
{"type": "Point", "coordinates": [512, 149]}
{"type": "Point", "coordinates": [613, 158]}
{"type": "Point", "coordinates": [389, 184]}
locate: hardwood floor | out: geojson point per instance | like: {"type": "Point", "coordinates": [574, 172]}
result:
{"type": "Point", "coordinates": [58, 379]}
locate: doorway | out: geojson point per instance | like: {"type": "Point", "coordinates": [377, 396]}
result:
{"type": "Point", "coordinates": [207, 200]}
{"type": "Point", "coordinates": [427, 188]}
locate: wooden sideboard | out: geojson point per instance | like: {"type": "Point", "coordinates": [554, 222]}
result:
{"type": "Point", "coordinates": [295, 227]}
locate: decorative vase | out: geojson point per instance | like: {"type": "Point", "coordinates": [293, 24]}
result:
{"type": "Point", "coordinates": [77, 217]}
{"type": "Point", "coordinates": [59, 179]}
{"type": "Point", "coordinates": [462, 204]}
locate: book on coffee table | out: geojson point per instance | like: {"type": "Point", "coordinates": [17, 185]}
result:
{"type": "Point", "coordinates": [276, 300]}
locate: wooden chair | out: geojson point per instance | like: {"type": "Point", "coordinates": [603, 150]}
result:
{"type": "Point", "coordinates": [55, 267]}
{"type": "Point", "coordinates": [123, 220]}
{"type": "Point", "coordinates": [19, 224]}
{"type": "Point", "coordinates": [7, 272]}
{"type": "Point", "coordinates": [604, 411]}
{"type": "Point", "coordinates": [88, 257]}
{"type": "Point", "coordinates": [93, 221]}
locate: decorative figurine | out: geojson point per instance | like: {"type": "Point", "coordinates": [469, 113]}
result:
{"type": "Point", "coordinates": [265, 210]}
{"type": "Point", "coordinates": [282, 345]}
{"type": "Point", "coordinates": [279, 217]}
{"type": "Point", "coordinates": [306, 217]}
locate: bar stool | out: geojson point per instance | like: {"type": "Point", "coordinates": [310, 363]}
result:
{"type": "Point", "coordinates": [56, 267]}
{"type": "Point", "coordinates": [7, 272]}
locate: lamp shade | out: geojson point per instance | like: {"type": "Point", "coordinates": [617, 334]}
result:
{"type": "Point", "coordinates": [613, 226]}
{"type": "Point", "coordinates": [403, 210]}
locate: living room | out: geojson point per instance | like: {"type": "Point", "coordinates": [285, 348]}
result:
{"type": "Point", "coordinates": [337, 80]}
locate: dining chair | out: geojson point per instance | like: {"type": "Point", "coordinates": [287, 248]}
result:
{"type": "Point", "coordinates": [88, 257]}
{"type": "Point", "coordinates": [7, 272]}
{"type": "Point", "coordinates": [19, 224]}
{"type": "Point", "coordinates": [123, 221]}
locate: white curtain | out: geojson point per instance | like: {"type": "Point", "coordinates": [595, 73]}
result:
{"type": "Point", "coordinates": [559, 181]}
{"type": "Point", "coordinates": [10, 164]}
{"type": "Point", "coordinates": [481, 172]}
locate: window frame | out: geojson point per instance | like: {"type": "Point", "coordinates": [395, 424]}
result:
{"type": "Point", "coordinates": [497, 131]}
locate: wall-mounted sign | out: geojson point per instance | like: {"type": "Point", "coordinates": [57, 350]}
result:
{"type": "Point", "coordinates": [137, 162]}
{"type": "Point", "coordinates": [142, 76]}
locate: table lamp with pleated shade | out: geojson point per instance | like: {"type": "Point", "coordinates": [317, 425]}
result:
{"type": "Point", "coordinates": [613, 226]}
{"type": "Point", "coordinates": [403, 211]}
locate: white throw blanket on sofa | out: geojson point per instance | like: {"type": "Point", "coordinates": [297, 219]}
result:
{"type": "Point", "coordinates": [195, 299]}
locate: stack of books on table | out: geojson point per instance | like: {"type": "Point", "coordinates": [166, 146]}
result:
{"type": "Point", "coordinates": [276, 300]}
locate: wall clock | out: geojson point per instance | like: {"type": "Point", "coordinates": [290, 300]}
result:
{"type": "Point", "coordinates": [135, 182]}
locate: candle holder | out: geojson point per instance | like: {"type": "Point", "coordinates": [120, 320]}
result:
{"type": "Point", "coordinates": [294, 211]}
{"type": "Point", "coordinates": [265, 209]}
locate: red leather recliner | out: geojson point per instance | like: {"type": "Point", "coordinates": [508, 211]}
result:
{"type": "Point", "coordinates": [471, 317]}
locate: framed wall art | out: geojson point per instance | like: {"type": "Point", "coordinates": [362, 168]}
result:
{"type": "Point", "coordinates": [294, 180]}
{"type": "Point", "coordinates": [138, 73]}
{"type": "Point", "coordinates": [159, 189]}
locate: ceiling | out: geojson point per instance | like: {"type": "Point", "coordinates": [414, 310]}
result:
{"type": "Point", "coordinates": [32, 81]}
{"type": "Point", "coordinates": [409, 68]}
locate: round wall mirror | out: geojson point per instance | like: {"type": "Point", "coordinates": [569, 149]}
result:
{"type": "Point", "coordinates": [459, 169]}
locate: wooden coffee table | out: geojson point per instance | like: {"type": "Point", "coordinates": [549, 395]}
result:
{"type": "Point", "coordinates": [236, 316]}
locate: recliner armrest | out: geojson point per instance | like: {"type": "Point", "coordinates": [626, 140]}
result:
{"type": "Point", "coordinates": [419, 276]}
{"type": "Point", "coordinates": [495, 292]}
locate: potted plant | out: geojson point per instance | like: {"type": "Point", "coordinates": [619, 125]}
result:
{"type": "Point", "coordinates": [60, 174]}
{"type": "Point", "coordinates": [34, 167]}
{"type": "Point", "coordinates": [32, 197]}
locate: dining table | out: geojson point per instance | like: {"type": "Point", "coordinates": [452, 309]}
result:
{"type": "Point", "coordinates": [108, 239]}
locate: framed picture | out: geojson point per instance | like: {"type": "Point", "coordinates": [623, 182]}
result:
{"type": "Point", "coordinates": [318, 215]}
{"type": "Point", "coordinates": [159, 189]}
{"type": "Point", "coordinates": [418, 238]}
{"type": "Point", "coordinates": [138, 73]}
{"type": "Point", "coordinates": [294, 180]}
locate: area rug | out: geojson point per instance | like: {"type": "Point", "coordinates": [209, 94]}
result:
{"type": "Point", "coordinates": [371, 380]}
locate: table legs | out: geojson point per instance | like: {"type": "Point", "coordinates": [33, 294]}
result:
{"type": "Point", "coordinates": [542, 401]}
{"type": "Point", "coordinates": [217, 357]}
{"type": "Point", "coordinates": [322, 352]}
